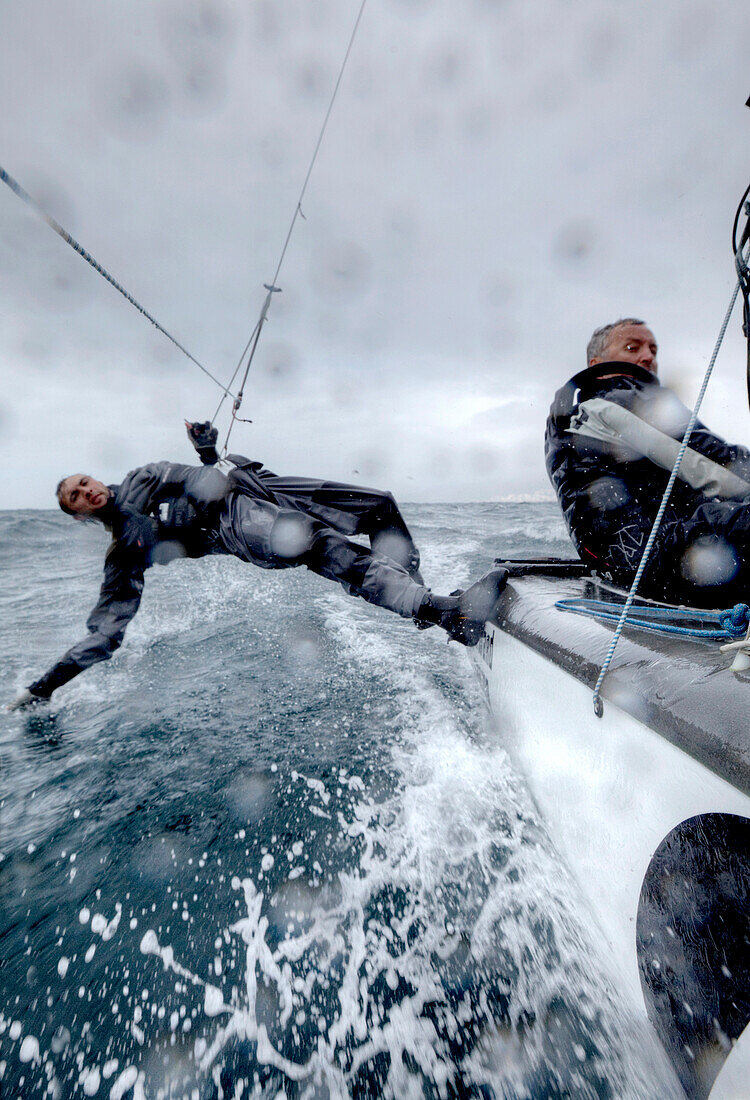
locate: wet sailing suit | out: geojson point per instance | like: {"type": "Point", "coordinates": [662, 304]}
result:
{"type": "Point", "coordinates": [164, 510]}
{"type": "Point", "coordinates": [612, 437]}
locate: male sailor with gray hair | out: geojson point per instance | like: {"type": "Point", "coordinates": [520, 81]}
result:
{"type": "Point", "coordinates": [612, 438]}
{"type": "Point", "coordinates": [166, 510]}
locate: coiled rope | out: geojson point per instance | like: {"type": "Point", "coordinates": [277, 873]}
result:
{"type": "Point", "coordinates": [706, 625]}
{"type": "Point", "coordinates": [597, 699]}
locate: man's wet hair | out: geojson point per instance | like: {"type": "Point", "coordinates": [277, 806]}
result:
{"type": "Point", "coordinates": [58, 494]}
{"type": "Point", "coordinates": [600, 337]}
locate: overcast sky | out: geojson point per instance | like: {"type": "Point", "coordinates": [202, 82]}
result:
{"type": "Point", "coordinates": [498, 177]}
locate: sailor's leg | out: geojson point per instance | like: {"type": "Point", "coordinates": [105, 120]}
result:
{"type": "Point", "coordinates": [387, 584]}
{"type": "Point", "coordinates": [704, 560]}
{"type": "Point", "coordinates": [371, 512]}
{"type": "Point", "coordinates": [378, 580]}
{"type": "Point", "coordinates": [390, 537]}
{"type": "Point", "coordinates": [277, 538]}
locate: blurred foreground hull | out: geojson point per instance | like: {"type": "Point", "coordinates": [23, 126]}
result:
{"type": "Point", "coordinates": [649, 806]}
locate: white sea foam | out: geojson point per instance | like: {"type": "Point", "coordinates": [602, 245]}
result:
{"type": "Point", "coordinates": [481, 893]}
{"type": "Point", "coordinates": [106, 928]}
{"type": "Point", "coordinates": [29, 1051]}
{"type": "Point", "coordinates": [90, 1080]}
{"type": "Point", "coordinates": [128, 1079]}
{"type": "Point", "coordinates": [450, 892]}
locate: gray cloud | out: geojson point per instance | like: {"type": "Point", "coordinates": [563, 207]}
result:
{"type": "Point", "coordinates": [497, 179]}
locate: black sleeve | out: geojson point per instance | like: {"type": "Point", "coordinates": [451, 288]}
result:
{"type": "Point", "coordinates": [209, 456]}
{"type": "Point", "coordinates": [119, 599]}
{"type": "Point", "coordinates": [733, 456]}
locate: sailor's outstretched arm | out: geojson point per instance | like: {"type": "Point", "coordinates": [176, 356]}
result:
{"type": "Point", "coordinates": [119, 599]}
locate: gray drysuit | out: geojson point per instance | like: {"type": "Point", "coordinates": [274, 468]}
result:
{"type": "Point", "coordinates": [165, 510]}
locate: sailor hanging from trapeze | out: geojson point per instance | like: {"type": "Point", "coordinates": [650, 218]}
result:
{"type": "Point", "coordinates": [165, 511]}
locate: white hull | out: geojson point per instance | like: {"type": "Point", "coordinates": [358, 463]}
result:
{"type": "Point", "coordinates": [609, 789]}
{"type": "Point", "coordinates": [649, 807]}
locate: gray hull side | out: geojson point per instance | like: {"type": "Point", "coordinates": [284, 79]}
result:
{"type": "Point", "coordinates": [681, 688]}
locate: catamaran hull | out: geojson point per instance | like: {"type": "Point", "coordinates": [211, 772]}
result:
{"type": "Point", "coordinates": [638, 814]}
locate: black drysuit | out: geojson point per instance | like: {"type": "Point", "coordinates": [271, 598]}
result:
{"type": "Point", "coordinates": [165, 510]}
{"type": "Point", "coordinates": [610, 445]}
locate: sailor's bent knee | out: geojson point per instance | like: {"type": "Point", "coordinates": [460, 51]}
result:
{"type": "Point", "coordinates": [387, 510]}
{"type": "Point", "coordinates": [334, 556]}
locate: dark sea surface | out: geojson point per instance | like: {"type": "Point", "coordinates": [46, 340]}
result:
{"type": "Point", "coordinates": [275, 848]}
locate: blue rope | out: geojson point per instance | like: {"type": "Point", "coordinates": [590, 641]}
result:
{"type": "Point", "coordinates": [712, 625]}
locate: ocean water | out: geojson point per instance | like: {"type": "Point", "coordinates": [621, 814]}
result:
{"type": "Point", "coordinates": [275, 848]}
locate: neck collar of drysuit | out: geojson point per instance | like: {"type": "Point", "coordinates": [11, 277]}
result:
{"type": "Point", "coordinates": [590, 375]}
{"type": "Point", "coordinates": [590, 380]}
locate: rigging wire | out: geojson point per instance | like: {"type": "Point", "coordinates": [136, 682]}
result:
{"type": "Point", "coordinates": [743, 273]}
{"type": "Point", "coordinates": [271, 287]}
{"type": "Point", "coordinates": [741, 251]}
{"type": "Point", "coordinates": [22, 194]}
